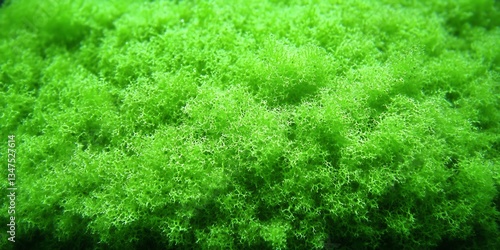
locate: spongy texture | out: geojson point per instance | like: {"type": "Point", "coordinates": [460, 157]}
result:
{"type": "Point", "coordinates": [239, 124]}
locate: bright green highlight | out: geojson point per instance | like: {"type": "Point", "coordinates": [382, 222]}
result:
{"type": "Point", "coordinates": [252, 124]}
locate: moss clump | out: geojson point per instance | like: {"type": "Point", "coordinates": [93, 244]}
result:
{"type": "Point", "coordinates": [252, 124]}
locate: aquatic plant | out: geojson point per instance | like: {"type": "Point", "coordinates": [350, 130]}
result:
{"type": "Point", "coordinates": [252, 124]}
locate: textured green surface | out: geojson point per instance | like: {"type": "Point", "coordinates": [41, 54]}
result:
{"type": "Point", "coordinates": [252, 124]}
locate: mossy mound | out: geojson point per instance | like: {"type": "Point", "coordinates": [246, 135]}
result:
{"type": "Point", "coordinates": [252, 124]}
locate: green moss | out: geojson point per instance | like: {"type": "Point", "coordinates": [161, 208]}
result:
{"type": "Point", "coordinates": [252, 124]}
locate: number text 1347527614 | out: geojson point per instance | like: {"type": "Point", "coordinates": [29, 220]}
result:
{"type": "Point", "coordinates": [11, 177]}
